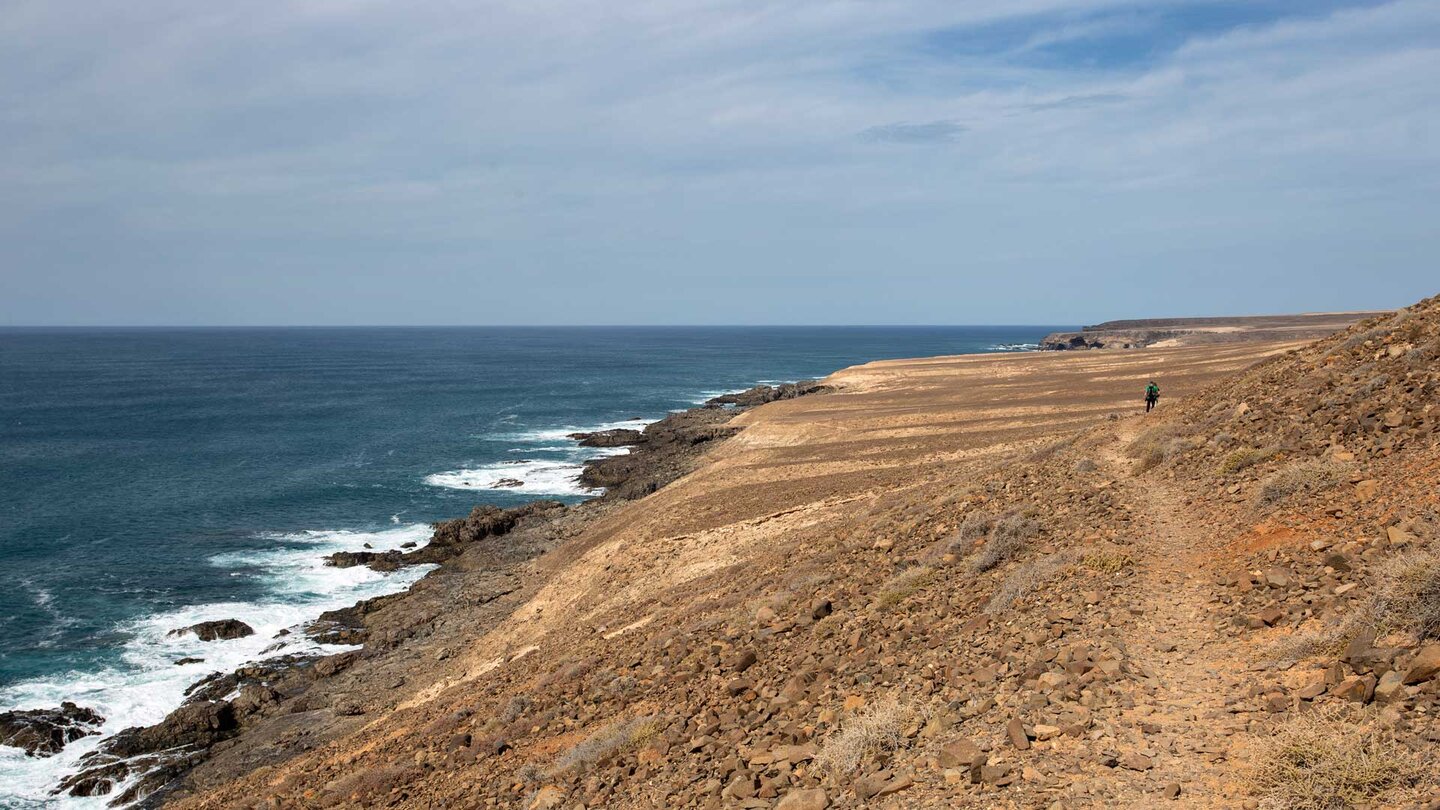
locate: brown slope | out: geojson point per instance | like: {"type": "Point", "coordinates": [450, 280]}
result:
{"type": "Point", "coordinates": [834, 541]}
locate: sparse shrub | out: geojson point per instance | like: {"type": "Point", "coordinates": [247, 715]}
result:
{"type": "Point", "coordinates": [606, 742]}
{"type": "Point", "coordinates": [1310, 477]}
{"type": "Point", "coordinates": [568, 671]}
{"type": "Point", "coordinates": [1006, 539]}
{"type": "Point", "coordinates": [1151, 438]}
{"type": "Point", "coordinates": [1152, 457]}
{"type": "Point", "coordinates": [1157, 445]}
{"type": "Point", "coordinates": [1238, 460]}
{"type": "Point", "coordinates": [1107, 562]}
{"type": "Point", "coordinates": [1328, 761]}
{"type": "Point", "coordinates": [875, 729]}
{"type": "Point", "coordinates": [1049, 451]}
{"type": "Point", "coordinates": [1406, 599]}
{"type": "Point", "coordinates": [1027, 578]}
{"type": "Point", "coordinates": [1329, 637]}
{"type": "Point", "coordinates": [369, 784]}
{"type": "Point", "coordinates": [976, 525]}
{"type": "Point", "coordinates": [903, 585]}
{"type": "Point", "coordinates": [517, 706]}
{"type": "Point", "coordinates": [1410, 600]}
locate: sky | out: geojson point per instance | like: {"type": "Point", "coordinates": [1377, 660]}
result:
{"type": "Point", "coordinates": [173, 162]}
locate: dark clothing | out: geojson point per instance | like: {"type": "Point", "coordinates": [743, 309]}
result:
{"type": "Point", "coordinates": [1152, 396]}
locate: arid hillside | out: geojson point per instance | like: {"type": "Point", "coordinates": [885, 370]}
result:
{"type": "Point", "coordinates": [954, 582]}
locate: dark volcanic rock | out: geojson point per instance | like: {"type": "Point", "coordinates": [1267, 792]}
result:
{"type": "Point", "coordinates": [619, 437]}
{"type": "Point", "coordinates": [669, 448]}
{"type": "Point", "coordinates": [218, 630]}
{"type": "Point", "coordinates": [43, 732]}
{"type": "Point", "coordinates": [377, 560]}
{"type": "Point", "coordinates": [157, 753]}
{"type": "Point", "coordinates": [152, 758]}
{"type": "Point", "coordinates": [450, 537]}
{"type": "Point", "coordinates": [761, 394]}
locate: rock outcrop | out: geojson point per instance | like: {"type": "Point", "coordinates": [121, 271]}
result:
{"type": "Point", "coordinates": [44, 732]}
{"type": "Point", "coordinates": [617, 437]}
{"type": "Point", "coordinates": [218, 630]}
{"type": "Point", "coordinates": [451, 536]}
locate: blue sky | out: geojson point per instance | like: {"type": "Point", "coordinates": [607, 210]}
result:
{"type": "Point", "coordinates": [714, 161]}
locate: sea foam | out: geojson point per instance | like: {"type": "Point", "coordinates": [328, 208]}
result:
{"type": "Point", "coordinates": [146, 684]}
{"type": "Point", "coordinates": [557, 473]}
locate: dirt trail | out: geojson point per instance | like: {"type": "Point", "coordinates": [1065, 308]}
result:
{"type": "Point", "coordinates": [1195, 670]}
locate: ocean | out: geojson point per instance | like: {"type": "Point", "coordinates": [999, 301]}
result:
{"type": "Point", "coordinates": [154, 478]}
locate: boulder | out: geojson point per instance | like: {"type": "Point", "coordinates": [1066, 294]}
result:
{"type": "Point", "coordinates": [44, 732]}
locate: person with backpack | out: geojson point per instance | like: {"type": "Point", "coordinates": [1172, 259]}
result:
{"type": "Point", "coordinates": [1152, 396]}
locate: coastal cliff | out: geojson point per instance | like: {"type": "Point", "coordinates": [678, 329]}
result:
{"type": "Point", "coordinates": [1140, 333]}
{"type": "Point", "coordinates": [983, 581]}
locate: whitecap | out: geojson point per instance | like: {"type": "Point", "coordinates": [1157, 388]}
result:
{"type": "Point", "coordinates": [534, 477]}
{"type": "Point", "coordinates": [562, 434]}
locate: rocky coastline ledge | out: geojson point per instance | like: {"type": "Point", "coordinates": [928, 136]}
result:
{"type": "Point", "coordinates": [289, 704]}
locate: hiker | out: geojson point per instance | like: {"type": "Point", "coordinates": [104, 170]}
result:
{"type": "Point", "coordinates": [1152, 396]}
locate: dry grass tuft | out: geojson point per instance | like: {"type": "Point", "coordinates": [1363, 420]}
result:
{"type": "Point", "coordinates": [1007, 538]}
{"type": "Point", "coordinates": [604, 744]}
{"type": "Point", "coordinates": [1107, 562]}
{"type": "Point", "coordinates": [876, 729]}
{"type": "Point", "coordinates": [1151, 439]}
{"type": "Point", "coordinates": [370, 784]}
{"type": "Point", "coordinates": [1406, 600]}
{"type": "Point", "coordinates": [903, 585]}
{"type": "Point", "coordinates": [1309, 477]}
{"type": "Point", "coordinates": [1328, 638]}
{"type": "Point", "coordinates": [1027, 578]}
{"type": "Point", "coordinates": [1410, 600]}
{"type": "Point", "coordinates": [1158, 445]}
{"type": "Point", "coordinates": [1329, 761]}
{"type": "Point", "coordinates": [1238, 460]}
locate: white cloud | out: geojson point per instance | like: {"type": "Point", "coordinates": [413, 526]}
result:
{"type": "Point", "coordinates": [674, 139]}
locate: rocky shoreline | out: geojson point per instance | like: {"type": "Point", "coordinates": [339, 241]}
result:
{"type": "Point", "coordinates": [267, 711]}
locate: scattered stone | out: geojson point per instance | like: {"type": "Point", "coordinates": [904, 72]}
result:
{"type": "Point", "coordinates": [959, 754]}
{"type": "Point", "coordinates": [811, 799]}
{"type": "Point", "coordinates": [1424, 666]}
{"type": "Point", "coordinates": [1015, 731]}
{"type": "Point", "coordinates": [1136, 761]}
{"type": "Point", "coordinates": [1356, 688]}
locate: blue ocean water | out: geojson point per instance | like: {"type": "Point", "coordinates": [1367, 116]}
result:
{"type": "Point", "coordinates": [150, 478]}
